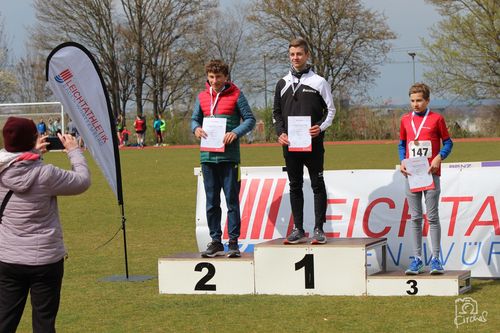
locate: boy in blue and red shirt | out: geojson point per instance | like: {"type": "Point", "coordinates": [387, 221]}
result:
{"type": "Point", "coordinates": [421, 134]}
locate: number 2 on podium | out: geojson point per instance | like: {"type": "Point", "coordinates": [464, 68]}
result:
{"type": "Point", "coordinates": [308, 264]}
{"type": "Point", "coordinates": [202, 283]}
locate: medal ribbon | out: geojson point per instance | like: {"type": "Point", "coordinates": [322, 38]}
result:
{"type": "Point", "coordinates": [415, 131]}
{"type": "Point", "coordinates": [295, 87]}
{"type": "Point", "coordinates": [212, 103]}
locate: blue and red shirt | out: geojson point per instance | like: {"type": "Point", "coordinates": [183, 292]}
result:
{"type": "Point", "coordinates": [434, 130]}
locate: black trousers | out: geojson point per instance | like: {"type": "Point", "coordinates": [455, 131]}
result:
{"type": "Point", "coordinates": [44, 285]}
{"type": "Point", "coordinates": [295, 162]}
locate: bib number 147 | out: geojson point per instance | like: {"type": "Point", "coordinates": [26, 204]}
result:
{"type": "Point", "coordinates": [418, 152]}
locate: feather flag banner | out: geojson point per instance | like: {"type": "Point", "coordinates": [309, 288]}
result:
{"type": "Point", "coordinates": [74, 78]}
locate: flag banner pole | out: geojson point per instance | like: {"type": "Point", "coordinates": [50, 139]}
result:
{"type": "Point", "coordinates": [74, 77]}
{"type": "Point", "coordinates": [124, 220]}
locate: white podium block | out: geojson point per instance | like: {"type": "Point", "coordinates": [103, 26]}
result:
{"type": "Point", "coordinates": [189, 273]}
{"type": "Point", "coordinates": [335, 268]}
{"type": "Point", "coordinates": [396, 283]}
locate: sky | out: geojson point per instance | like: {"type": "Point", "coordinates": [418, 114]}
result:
{"type": "Point", "coordinates": [409, 19]}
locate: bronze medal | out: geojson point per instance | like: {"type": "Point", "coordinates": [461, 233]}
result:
{"type": "Point", "coordinates": [416, 142]}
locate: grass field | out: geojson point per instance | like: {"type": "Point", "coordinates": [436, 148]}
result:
{"type": "Point", "coordinates": [160, 193]}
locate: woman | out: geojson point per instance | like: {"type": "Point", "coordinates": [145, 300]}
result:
{"type": "Point", "coordinates": [31, 244]}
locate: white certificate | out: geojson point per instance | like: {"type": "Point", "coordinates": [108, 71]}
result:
{"type": "Point", "coordinates": [215, 129]}
{"type": "Point", "coordinates": [298, 133]}
{"type": "Point", "coordinates": [419, 178]}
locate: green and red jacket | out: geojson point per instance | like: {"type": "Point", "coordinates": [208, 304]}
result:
{"type": "Point", "coordinates": [231, 105]}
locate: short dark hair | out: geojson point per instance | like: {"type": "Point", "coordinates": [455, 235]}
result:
{"type": "Point", "coordinates": [420, 88]}
{"type": "Point", "coordinates": [217, 66]}
{"type": "Point", "coordinates": [299, 42]}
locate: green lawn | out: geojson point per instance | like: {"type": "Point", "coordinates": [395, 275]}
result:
{"type": "Point", "coordinates": [160, 193]}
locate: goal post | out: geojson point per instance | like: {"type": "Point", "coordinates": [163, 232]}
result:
{"type": "Point", "coordinates": [35, 111]}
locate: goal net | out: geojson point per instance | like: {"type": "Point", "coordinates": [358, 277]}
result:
{"type": "Point", "coordinates": [51, 113]}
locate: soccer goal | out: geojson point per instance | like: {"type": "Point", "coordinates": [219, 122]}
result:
{"type": "Point", "coordinates": [51, 113]}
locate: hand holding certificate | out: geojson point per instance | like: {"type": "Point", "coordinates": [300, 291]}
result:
{"type": "Point", "coordinates": [215, 128]}
{"type": "Point", "coordinates": [419, 178]}
{"type": "Point", "coordinates": [298, 134]}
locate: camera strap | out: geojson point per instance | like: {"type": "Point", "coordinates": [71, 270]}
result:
{"type": "Point", "coordinates": [4, 203]}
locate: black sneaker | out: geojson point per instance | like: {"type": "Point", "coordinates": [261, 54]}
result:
{"type": "Point", "coordinates": [214, 248]}
{"type": "Point", "coordinates": [234, 249]}
{"type": "Point", "coordinates": [319, 236]}
{"type": "Point", "coordinates": [297, 236]}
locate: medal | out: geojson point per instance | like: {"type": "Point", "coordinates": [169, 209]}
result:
{"type": "Point", "coordinates": [415, 131]}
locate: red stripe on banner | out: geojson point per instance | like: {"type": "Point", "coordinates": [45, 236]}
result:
{"type": "Point", "coordinates": [274, 208]}
{"type": "Point", "coordinates": [404, 218]}
{"type": "Point", "coordinates": [454, 211]}
{"type": "Point", "coordinates": [261, 208]}
{"type": "Point", "coordinates": [247, 211]}
{"type": "Point", "coordinates": [242, 190]}
{"type": "Point", "coordinates": [352, 220]}
{"type": "Point", "coordinates": [494, 221]}
{"type": "Point", "coordinates": [334, 217]}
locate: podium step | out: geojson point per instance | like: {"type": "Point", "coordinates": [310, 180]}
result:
{"type": "Point", "coordinates": [189, 273]}
{"type": "Point", "coordinates": [343, 266]}
{"type": "Point", "coordinates": [396, 283]}
{"type": "Point", "coordinates": [335, 268]}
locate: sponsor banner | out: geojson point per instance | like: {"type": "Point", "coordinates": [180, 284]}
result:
{"type": "Point", "coordinates": [467, 165]}
{"type": "Point", "coordinates": [371, 203]}
{"type": "Point", "coordinates": [74, 78]}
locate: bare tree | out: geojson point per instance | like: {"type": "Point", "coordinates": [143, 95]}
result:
{"type": "Point", "coordinates": [89, 22]}
{"type": "Point", "coordinates": [464, 49]}
{"type": "Point", "coordinates": [146, 49]}
{"type": "Point", "coordinates": [166, 29]}
{"type": "Point", "coordinates": [125, 54]}
{"type": "Point", "coordinates": [7, 79]}
{"type": "Point", "coordinates": [30, 71]}
{"type": "Point", "coordinates": [224, 36]}
{"type": "Point", "coordinates": [136, 12]}
{"type": "Point", "coordinates": [346, 41]}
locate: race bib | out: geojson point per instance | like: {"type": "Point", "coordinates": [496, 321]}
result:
{"type": "Point", "coordinates": [420, 148]}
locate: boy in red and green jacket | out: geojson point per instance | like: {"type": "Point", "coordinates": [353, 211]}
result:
{"type": "Point", "coordinates": [222, 99]}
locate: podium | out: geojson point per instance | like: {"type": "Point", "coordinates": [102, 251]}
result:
{"type": "Point", "coordinates": [343, 266]}
{"type": "Point", "coordinates": [335, 268]}
{"type": "Point", "coordinates": [396, 283]}
{"type": "Point", "coordinates": [189, 273]}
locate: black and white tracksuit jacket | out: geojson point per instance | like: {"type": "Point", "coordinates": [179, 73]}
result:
{"type": "Point", "coordinates": [303, 94]}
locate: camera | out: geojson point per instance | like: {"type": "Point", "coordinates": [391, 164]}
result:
{"type": "Point", "coordinates": [54, 143]}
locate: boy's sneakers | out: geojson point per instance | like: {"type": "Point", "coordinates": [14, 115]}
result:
{"type": "Point", "coordinates": [436, 267]}
{"type": "Point", "coordinates": [416, 267]}
{"type": "Point", "coordinates": [233, 249]}
{"type": "Point", "coordinates": [215, 248]}
{"type": "Point", "coordinates": [318, 237]}
{"type": "Point", "coordinates": [297, 236]}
